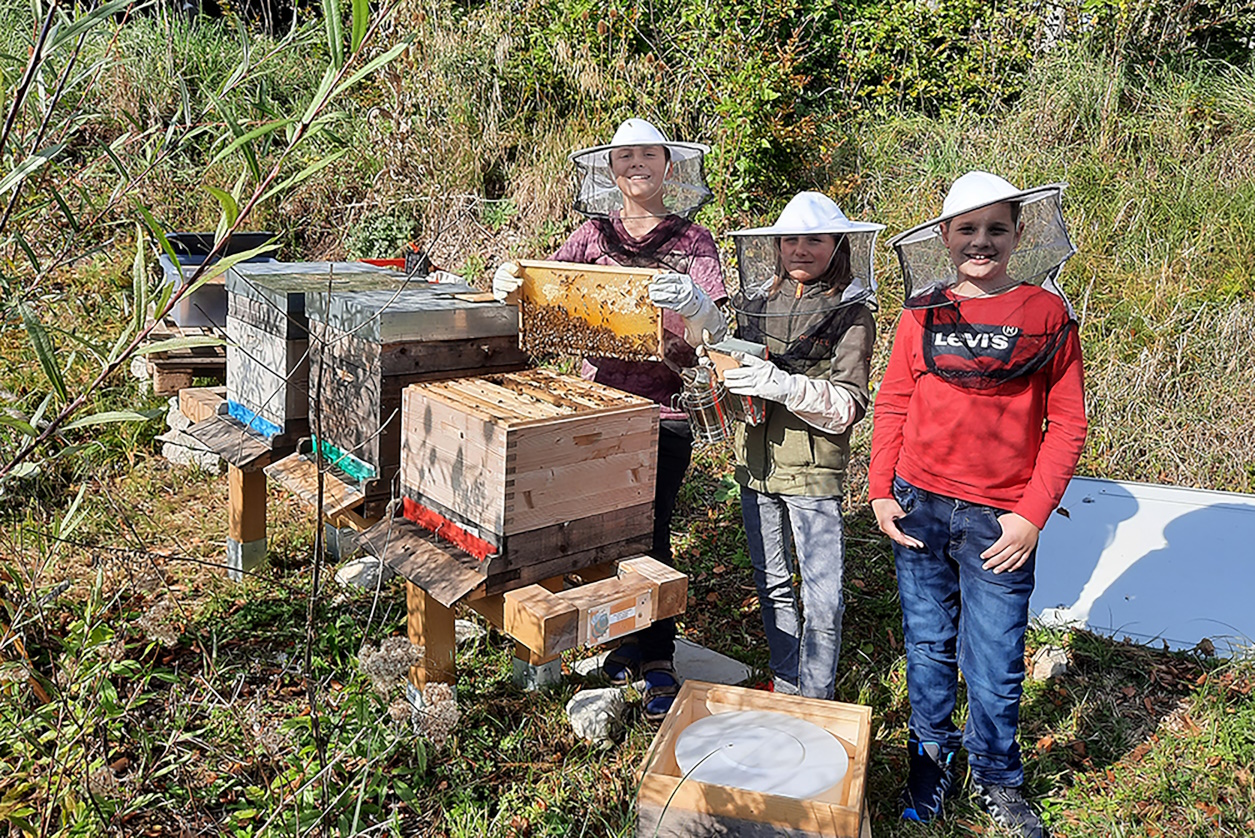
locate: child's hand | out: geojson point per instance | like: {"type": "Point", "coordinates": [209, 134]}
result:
{"type": "Point", "coordinates": [888, 511]}
{"type": "Point", "coordinates": [1014, 546]}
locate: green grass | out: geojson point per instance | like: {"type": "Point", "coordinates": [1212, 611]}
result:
{"type": "Point", "coordinates": [462, 144]}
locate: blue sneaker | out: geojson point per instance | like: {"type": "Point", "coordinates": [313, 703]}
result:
{"type": "Point", "coordinates": [930, 782]}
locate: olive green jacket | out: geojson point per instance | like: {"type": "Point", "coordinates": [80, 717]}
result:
{"type": "Point", "coordinates": [786, 455]}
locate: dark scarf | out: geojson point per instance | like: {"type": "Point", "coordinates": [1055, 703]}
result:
{"type": "Point", "coordinates": [652, 251]}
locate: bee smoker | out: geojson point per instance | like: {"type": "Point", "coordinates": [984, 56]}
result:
{"type": "Point", "coordinates": [711, 409]}
{"type": "Point", "coordinates": [749, 409]}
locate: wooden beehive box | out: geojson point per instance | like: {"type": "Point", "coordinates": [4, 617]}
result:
{"type": "Point", "coordinates": [594, 310]}
{"type": "Point", "coordinates": [370, 342]}
{"type": "Point", "coordinates": [268, 349]}
{"type": "Point", "coordinates": [670, 805]}
{"type": "Point", "coordinates": [553, 472]}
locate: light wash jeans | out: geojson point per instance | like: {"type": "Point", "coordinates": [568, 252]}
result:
{"type": "Point", "coordinates": [957, 615]}
{"type": "Point", "coordinates": [805, 643]}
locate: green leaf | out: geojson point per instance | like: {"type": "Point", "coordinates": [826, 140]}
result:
{"type": "Point", "coordinates": [13, 422]}
{"type": "Point", "coordinates": [321, 96]}
{"type": "Point", "coordinates": [331, 16]}
{"type": "Point", "coordinates": [98, 15]}
{"type": "Point", "coordinates": [245, 145]}
{"type": "Point", "coordinates": [73, 517]}
{"type": "Point", "coordinates": [27, 250]}
{"type": "Point", "coordinates": [371, 67]}
{"type": "Point", "coordinates": [230, 209]}
{"type": "Point", "coordinates": [64, 207]}
{"type": "Point", "coordinates": [242, 139]}
{"type": "Point", "coordinates": [361, 22]}
{"type": "Point", "coordinates": [109, 417]}
{"type": "Point", "coordinates": [139, 282]}
{"type": "Point", "coordinates": [179, 343]}
{"type": "Point", "coordinates": [31, 164]}
{"type": "Point", "coordinates": [158, 232]}
{"type": "Point", "coordinates": [309, 171]}
{"type": "Point", "coordinates": [44, 350]}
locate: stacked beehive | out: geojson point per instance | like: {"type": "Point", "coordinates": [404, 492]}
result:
{"type": "Point", "coordinates": [268, 353]}
{"type": "Point", "coordinates": [370, 341]}
{"type": "Point", "coordinates": [536, 472]}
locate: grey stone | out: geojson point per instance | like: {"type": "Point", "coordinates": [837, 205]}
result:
{"type": "Point", "coordinates": [364, 573]}
{"type": "Point", "coordinates": [597, 715]}
{"type": "Point", "coordinates": [184, 450]}
{"type": "Point", "coordinates": [1049, 662]}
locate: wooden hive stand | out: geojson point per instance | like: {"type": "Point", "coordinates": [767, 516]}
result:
{"type": "Point", "coordinates": [545, 619]}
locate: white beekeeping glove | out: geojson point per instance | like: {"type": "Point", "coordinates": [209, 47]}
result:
{"type": "Point", "coordinates": [685, 297]}
{"type": "Point", "coordinates": [816, 402]}
{"type": "Point", "coordinates": [506, 280]}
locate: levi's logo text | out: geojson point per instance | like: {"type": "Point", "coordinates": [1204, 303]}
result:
{"type": "Point", "coordinates": [970, 340]}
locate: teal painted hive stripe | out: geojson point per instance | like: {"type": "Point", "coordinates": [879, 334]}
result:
{"type": "Point", "coordinates": [346, 462]}
{"type": "Point", "coordinates": [251, 420]}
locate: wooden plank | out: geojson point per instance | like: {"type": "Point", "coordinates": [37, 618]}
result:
{"type": "Point", "coordinates": [246, 505]}
{"type": "Point", "coordinates": [442, 570]}
{"type": "Point", "coordinates": [670, 586]}
{"type": "Point", "coordinates": [168, 382]}
{"type": "Point", "coordinates": [199, 403]}
{"type": "Point", "coordinates": [569, 546]}
{"type": "Point", "coordinates": [299, 475]}
{"type": "Point", "coordinates": [430, 625]}
{"type": "Point", "coordinates": [540, 620]}
{"type": "Point", "coordinates": [588, 309]}
{"type": "Point", "coordinates": [233, 442]}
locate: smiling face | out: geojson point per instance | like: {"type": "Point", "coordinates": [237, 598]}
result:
{"type": "Point", "coordinates": [806, 258]}
{"type": "Point", "coordinates": [640, 172]}
{"type": "Point", "coordinates": [980, 244]}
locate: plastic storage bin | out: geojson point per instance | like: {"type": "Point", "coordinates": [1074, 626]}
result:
{"type": "Point", "coordinates": [207, 305]}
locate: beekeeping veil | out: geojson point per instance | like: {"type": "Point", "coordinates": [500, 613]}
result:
{"type": "Point", "coordinates": [927, 269]}
{"type": "Point", "coordinates": [684, 188]}
{"type": "Point", "coordinates": [983, 355]}
{"type": "Point", "coordinates": [800, 322]}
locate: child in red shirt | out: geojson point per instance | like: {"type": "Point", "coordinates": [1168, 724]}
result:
{"type": "Point", "coordinates": [979, 423]}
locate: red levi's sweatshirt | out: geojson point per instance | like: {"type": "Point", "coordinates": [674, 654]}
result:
{"type": "Point", "coordinates": [1012, 446]}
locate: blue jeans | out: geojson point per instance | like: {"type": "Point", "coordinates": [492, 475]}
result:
{"type": "Point", "coordinates": [804, 646]}
{"type": "Point", "coordinates": [956, 614]}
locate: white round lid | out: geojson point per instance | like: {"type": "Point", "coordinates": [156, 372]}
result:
{"type": "Point", "coordinates": [762, 751]}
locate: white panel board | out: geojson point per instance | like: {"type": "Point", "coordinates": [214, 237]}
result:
{"type": "Point", "coordinates": [1153, 563]}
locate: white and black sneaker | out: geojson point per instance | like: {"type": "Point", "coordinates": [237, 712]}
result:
{"type": "Point", "coordinates": [1007, 806]}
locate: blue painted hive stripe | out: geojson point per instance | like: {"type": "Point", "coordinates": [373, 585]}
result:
{"type": "Point", "coordinates": [252, 421]}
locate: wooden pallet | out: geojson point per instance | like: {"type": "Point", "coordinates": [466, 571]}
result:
{"type": "Point", "coordinates": [174, 370]}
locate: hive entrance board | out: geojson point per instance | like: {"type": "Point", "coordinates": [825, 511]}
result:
{"type": "Point", "coordinates": [592, 310]}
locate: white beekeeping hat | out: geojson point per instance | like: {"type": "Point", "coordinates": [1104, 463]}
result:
{"type": "Point", "coordinates": [770, 305]}
{"type": "Point", "coordinates": [927, 269]}
{"type": "Point", "coordinates": [685, 187]}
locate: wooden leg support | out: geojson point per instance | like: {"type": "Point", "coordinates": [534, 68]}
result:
{"type": "Point", "coordinates": [246, 521]}
{"type": "Point", "coordinates": [430, 626]}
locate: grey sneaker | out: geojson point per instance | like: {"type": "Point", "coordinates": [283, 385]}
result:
{"type": "Point", "coordinates": [1007, 806]}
